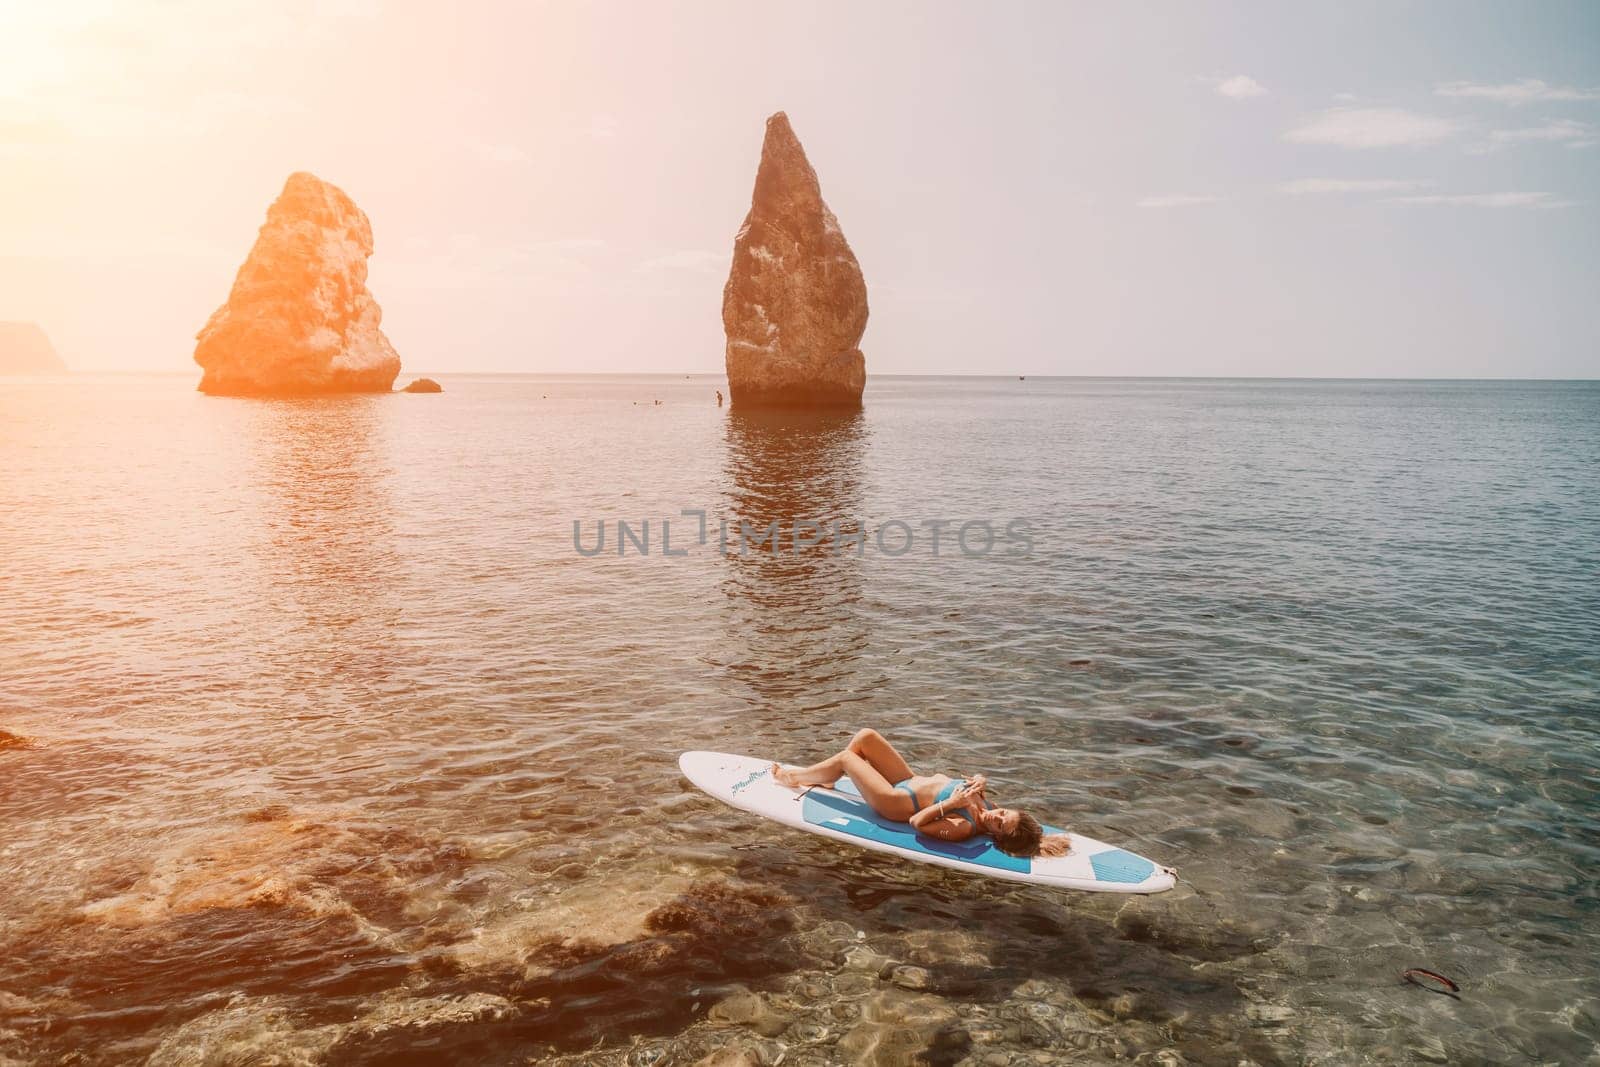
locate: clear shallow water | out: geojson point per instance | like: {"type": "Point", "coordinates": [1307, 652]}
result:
{"type": "Point", "coordinates": [334, 748]}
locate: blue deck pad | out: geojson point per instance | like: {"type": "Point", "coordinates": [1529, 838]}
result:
{"type": "Point", "coordinates": [1119, 866]}
{"type": "Point", "coordinates": [850, 814]}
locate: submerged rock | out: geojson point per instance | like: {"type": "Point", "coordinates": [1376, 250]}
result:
{"type": "Point", "coordinates": [795, 304]}
{"type": "Point", "coordinates": [299, 319]}
{"type": "Point", "coordinates": [414, 1018]}
{"type": "Point", "coordinates": [731, 1056]}
{"type": "Point", "coordinates": [896, 1027]}
{"type": "Point", "coordinates": [907, 976]}
{"type": "Point", "coordinates": [305, 869]}
{"type": "Point", "coordinates": [752, 1011]}
{"type": "Point", "coordinates": [24, 349]}
{"type": "Point", "coordinates": [423, 385]}
{"type": "Point", "coordinates": [245, 1030]}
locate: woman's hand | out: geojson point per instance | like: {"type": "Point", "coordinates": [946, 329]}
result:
{"type": "Point", "coordinates": [969, 793]}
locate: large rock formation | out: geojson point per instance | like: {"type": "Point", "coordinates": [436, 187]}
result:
{"type": "Point", "coordinates": [24, 349]}
{"type": "Point", "coordinates": [795, 304]}
{"type": "Point", "coordinates": [299, 319]}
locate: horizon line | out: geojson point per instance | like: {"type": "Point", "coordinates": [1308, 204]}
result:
{"type": "Point", "coordinates": [146, 372]}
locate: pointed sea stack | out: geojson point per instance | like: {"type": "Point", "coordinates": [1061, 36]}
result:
{"type": "Point", "coordinates": [300, 320]}
{"type": "Point", "coordinates": [795, 304]}
{"type": "Point", "coordinates": [24, 349]}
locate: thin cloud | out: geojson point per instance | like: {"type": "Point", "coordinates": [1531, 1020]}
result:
{"type": "Point", "coordinates": [1373, 127]}
{"type": "Point", "coordinates": [1314, 186]}
{"type": "Point", "coordinates": [1526, 91]}
{"type": "Point", "coordinates": [692, 260]}
{"type": "Point", "coordinates": [468, 260]}
{"type": "Point", "coordinates": [1570, 132]}
{"type": "Point", "coordinates": [499, 152]}
{"type": "Point", "coordinates": [1177, 200]}
{"type": "Point", "coordinates": [1486, 200]}
{"type": "Point", "coordinates": [1240, 87]}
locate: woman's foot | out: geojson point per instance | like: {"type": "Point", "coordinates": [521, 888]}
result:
{"type": "Point", "coordinates": [825, 773]}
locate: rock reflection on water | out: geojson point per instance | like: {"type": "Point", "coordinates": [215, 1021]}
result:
{"type": "Point", "coordinates": [794, 633]}
{"type": "Point", "coordinates": [327, 530]}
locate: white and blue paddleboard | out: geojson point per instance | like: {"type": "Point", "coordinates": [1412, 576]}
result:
{"type": "Point", "coordinates": [840, 813]}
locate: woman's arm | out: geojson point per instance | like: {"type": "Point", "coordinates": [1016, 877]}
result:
{"type": "Point", "coordinates": [950, 829]}
{"type": "Point", "coordinates": [939, 821]}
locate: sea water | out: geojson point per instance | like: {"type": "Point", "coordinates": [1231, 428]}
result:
{"type": "Point", "coordinates": [324, 740]}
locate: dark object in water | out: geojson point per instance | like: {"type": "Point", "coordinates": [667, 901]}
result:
{"type": "Point", "coordinates": [423, 385]}
{"type": "Point", "coordinates": [1432, 981]}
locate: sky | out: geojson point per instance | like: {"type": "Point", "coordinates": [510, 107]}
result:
{"type": "Point", "coordinates": [1346, 190]}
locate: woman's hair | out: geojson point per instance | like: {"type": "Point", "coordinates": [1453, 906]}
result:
{"type": "Point", "coordinates": [1024, 839]}
{"type": "Point", "coordinates": [1028, 840]}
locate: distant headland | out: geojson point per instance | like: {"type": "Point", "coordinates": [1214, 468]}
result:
{"type": "Point", "coordinates": [25, 349]}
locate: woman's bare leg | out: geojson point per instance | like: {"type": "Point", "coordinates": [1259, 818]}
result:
{"type": "Point", "coordinates": [877, 750]}
{"type": "Point", "coordinates": [877, 790]}
{"type": "Point", "coordinates": [872, 764]}
{"type": "Point", "coordinates": [827, 772]}
{"type": "Point", "coordinates": [869, 744]}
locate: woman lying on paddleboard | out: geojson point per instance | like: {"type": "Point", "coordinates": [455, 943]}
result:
{"type": "Point", "coordinates": [934, 804]}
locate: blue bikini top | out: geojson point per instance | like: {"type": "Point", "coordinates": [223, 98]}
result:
{"type": "Point", "coordinates": [943, 795]}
